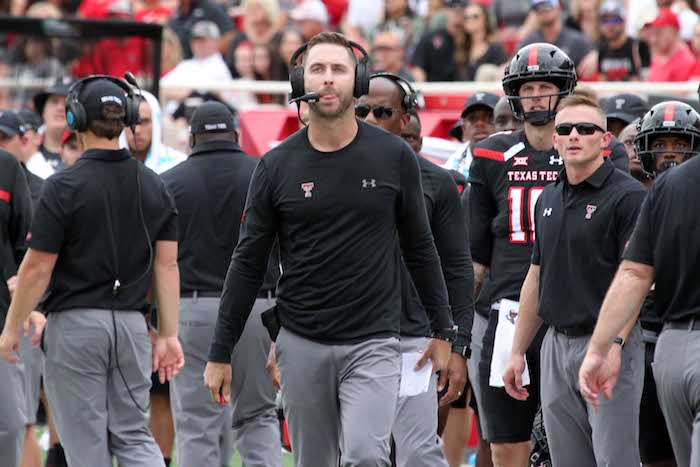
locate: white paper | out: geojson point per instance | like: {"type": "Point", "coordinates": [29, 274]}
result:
{"type": "Point", "coordinates": [503, 343]}
{"type": "Point", "coordinates": [414, 382]}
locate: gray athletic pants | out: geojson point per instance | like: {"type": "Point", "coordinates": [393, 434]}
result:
{"type": "Point", "coordinates": [12, 414]}
{"type": "Point", "coordinates": [31, 358]}
{"type": "Point", "coordinates": [199, 423]}
{"type": "Point", "coordinates": [578, 435]}
{"type": "Point", "coordinates": [415, 422]}
{"type": "Point", "coordinates": [676, 369]}
{"type": "Point", "coordinates": [339, 398]}
{"type": "Point", "coordinates": [93, 408]}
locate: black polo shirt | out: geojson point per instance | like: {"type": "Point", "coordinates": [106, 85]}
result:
{"type": "Point", "coordinates": [580, 233]}
{"type": "Point", "coordinates": [88, 214]}
{"type": "Point", "coordinates": [435, 54]}
{"type": "Point", "coordinates": [210, 190]}
{"type": "Point", "coordinates": [15, 216]}
{"type": "Point", "coordinates": [666, 237]}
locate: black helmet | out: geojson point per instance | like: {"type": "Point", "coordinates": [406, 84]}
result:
{"type": "Point", "coordinates": [538, 62]}
{"type": "Point", "coordinates": [670, 118]}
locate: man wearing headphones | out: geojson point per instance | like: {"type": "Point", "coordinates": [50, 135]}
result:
{"type": "Point", "coordinates": [210, 189]}
{"type": "Point", "coordinates": [84, 241]}
{"type": "Point", "coordinates": [339, 212]}
{"type": "Point", "coordinates": [415, 427]}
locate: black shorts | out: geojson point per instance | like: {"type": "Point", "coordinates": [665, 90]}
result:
{"type": "Point", "coordinates": [504, 419]}
{"type": "Point", "coordinates": [654, 442]}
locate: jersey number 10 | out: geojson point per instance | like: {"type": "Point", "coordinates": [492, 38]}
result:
{"type": "Point", "coordinates": [516, 205]}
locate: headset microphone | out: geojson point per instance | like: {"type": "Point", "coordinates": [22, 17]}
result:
{"type": "Point", "coordinates": [308, 97]}
{"type": "Point", "coordinates": [129, 77]}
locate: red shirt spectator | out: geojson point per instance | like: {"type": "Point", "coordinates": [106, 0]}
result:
{"type": "Point", "coordinates": [671, 59]}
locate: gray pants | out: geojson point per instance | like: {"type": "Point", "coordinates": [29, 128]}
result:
{"type": "Point", "coordinates": [12, 414]}
{"type": "Point", "coordinates": [578, 435]}
{"type": "Point", "coordinates": [478, 330]}
{"type": "Point", "coordinates": [415, 423]}
{"type": "Point", "coordinates": [93, 411]}
{"type": "Point", "coordinates": [339, 398]}
{"type": "Point", "coordinates": [200, 425]}
{"type": "Point", "coordinates": [677, 373]}
{"type": "Point", "coordinates": [32, 361]}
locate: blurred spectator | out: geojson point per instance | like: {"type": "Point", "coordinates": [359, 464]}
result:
{"type": "Point", "coordinates": [51, 105]}
{"type": "Point", "coordinates": [206, 65]}
{"type": "Point", "coordinates": [399, 15]}
{"type": "Point", "coordinates": [190, 12]}
{"type": "Point", "coordinates": [172, 52]}
{"type": "Point", "coordinates": [481, 50]}
{"type": "Point", "coordinates": [441, 55]}
{"type": "Point", "coordinates": [695, 43]}
{"type": "Point", "coordinates": [310, 17]}
{"type": "Point", "coordinates": [262, 62]}
{"type": "Point", "coordinates": [389, 53]}
{"type": "Point", "coordinates": [146, 144]}
{"type": "Point", "coordinates": [44, 10]}
{"type": "Point", "coordinates": [552, 30]}
{"type": "Point", "coordinates": [362, 18]}
{"type": "Point", "coordinates": [288, 41]}
{"type": "Point", "coordinates": [33, 58]}
{"type": "Point", "coordinates": [243, 61]}
{"type": "Point", "coordinates": [623, 109]}
{"type": "Point", "coordinates": [514, 20]}
{"type": "Point", "coordinates": [671, 59]}
{"type": "Point", "coordinates": [32, 122]}
{"type": "Point", "coordinates": [583, 17]}
{"type": "Point", "coordinates": [687, 18]}
{"type": "Point", "coordinates": [619, 56]}
{"type": "Point", "coordinates": [259, 18]}
{"type": "Point", "coordinates": [639, 13]}
{"type": "Point", "coordinates": [503, 118]}
{"type": "Point", "coordinates": [71, 149]}
{"type": "Point", "coordinates": [5, 72]}
{"type": "Point", "coordinates": [153, 11]}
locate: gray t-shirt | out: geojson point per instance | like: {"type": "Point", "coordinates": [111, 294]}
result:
{"type": "Point", "coordinates": [571, 42]}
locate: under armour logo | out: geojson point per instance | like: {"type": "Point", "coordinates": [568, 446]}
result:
{"type": "Point", "coordinates": [479, 96]}
{"type": "Point", "coordinates": [512, 316]}
{"type": "Point", "coordinates": [520, 161]}
{"type": "Point", "coordinates": [590, 209]}
{"type": "Point", "coordinates": [556, 160]}
{"type": "Point", "coordinates": [619, 103]}
{"type": "Point", "coordinates": [307, 187]}
{"type": "Point", "coordinates": [369, 183]}
{"type": "Point", "coordinates": [547, 212]}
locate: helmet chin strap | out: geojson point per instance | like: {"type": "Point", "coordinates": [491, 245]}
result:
{"type": "Point", "coordinates": [539, 117]}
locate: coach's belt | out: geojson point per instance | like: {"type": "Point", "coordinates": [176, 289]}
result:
{"type": "Point", "coordinates": [200, 294]}
{"type": "Point", "coordinates": [576, 331]}
{"type": "Point", "coordinates": [692, 324]}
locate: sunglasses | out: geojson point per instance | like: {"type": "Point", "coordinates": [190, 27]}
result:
{"type": "Point", "coordinates": [611, 20]}
{"type": "Point", "coordinates": [472, 16]}
{"type": "Point", "coordinates": [583, 129]}
{"type": "Point", "coordinates": [380, 112]}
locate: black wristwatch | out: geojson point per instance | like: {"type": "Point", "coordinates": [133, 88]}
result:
{"type": "Point", "coordinates": [619, 340]}
{"type": "Point", "coordinates": [463, 350]}
{"type": "Point", "coordinates": [447, 335]}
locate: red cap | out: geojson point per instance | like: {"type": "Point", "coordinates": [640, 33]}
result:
{"type": "Point", "coordinates": [66, 134]}
{"type": "Point", "coordinates": [665, 17]}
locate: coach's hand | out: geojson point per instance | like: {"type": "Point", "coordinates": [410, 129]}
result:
{"type": "Point", "coordinates": [439, 352]}
{"type": "Point", "coordinates": [456, 373]}
{"type": "Point", "coordinates": [599, 374]}
{"type": "Point", "coordinates": [9, 344]}
{"type": "Point", "coordinates": [38, 320]}
{"type": "Point", "coordinates": [513, 377]}
{"type": "Point", "coordinates": [271, 368]}
{"type": "Point", "coordinates": [217, 378]}
{"type": "Point", "coordinates": [168, 358]}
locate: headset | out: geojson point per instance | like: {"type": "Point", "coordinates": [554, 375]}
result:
{"type": "Point", "coordinates": [362, 72]}
{"type": "Point", "coordinates": [76, 115]}
{"type": "Point", "coordinates": [410, 98]}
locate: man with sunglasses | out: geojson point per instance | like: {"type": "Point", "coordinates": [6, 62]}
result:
{"type": "Point", "coordinates": [415, 425]}
{"type": "Point", "coordinates": [583, 222]}
{"type": "Point", "coordinates": [508, 173]}
{"type": "Point", "coordinates": [619, 56]}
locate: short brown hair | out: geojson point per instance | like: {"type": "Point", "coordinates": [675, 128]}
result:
{"type": "Point", "coordinates": [111, 124]}
{"type": "Point", "coordinates": [332, 38]}
{"type": "Point", "coordinates": [580, 100]}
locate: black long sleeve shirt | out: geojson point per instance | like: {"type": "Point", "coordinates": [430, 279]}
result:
{"type": "Point", "coordinates": [337, 216]}
{"type": "Point", "coordinates": [15, 218]}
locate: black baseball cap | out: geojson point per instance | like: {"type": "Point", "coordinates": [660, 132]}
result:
{"type": "Point", "coordinates": [59, 88]}
{"type": "Point", "coordinates": [10, 124]}
{"type": "Point", "coordinates": [625, 107]}
{"type": "Point", "coordinates": [99, 93]}
{"type": "Point", "coordinates": [480, 99]}
{"type": "Point", "coordinates": [212, 117]}
{"type": "Point", "coordinates": [30, 120]}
